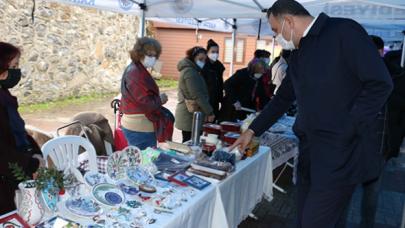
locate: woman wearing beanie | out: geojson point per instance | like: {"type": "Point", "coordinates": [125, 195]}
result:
{"type": "Point", "coordinates": [212, 72]}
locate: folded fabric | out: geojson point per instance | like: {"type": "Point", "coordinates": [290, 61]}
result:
{"type": "Point", "coordinates": [171, 163]}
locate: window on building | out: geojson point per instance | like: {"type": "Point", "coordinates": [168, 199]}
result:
{"type": "Point", "coordinates": [240, 51]}
{"type": "Point", "coordinates": [264, 45]}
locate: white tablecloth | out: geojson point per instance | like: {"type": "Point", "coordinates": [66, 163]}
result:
{"type": "Point", "coordinates": [239, 193]}
{"type": "Point", "coordinates": [234, 198]}
{"type": "Point", "coordinates": [223, 203]}
{"type": "Point", "coordinates": [198, 212]}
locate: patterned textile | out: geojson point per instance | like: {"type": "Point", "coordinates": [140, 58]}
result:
{"type": "Point", "coordinates": [102, 164]}
{"type": "Point", "coordinates": [281, 140]}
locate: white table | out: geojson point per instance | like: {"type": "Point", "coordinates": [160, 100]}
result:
{"type": "Point", "coordinates": [223, 203]}
{"type": "Point", "coordinates": [284, 146]}
{"type": "Point", "coordinates": [198, 212]}
{"type": "Point", "coordinates": [234, 198]}
{"type": "Point", "coordinates": [239, 193]}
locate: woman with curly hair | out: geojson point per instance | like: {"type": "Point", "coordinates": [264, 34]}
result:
{"type": "Point", "coordinates": [145, 121]}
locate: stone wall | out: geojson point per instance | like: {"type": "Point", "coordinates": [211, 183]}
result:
{"type": "Point", "coordinates": [67, 50]}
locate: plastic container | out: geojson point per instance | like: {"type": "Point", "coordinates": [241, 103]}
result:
{"type": "Point", "coordinates": [212, 129]}
{"type": "Point", "coordinates": [230, 137]}
{"type": "Point", "coordinates": [230, 126]}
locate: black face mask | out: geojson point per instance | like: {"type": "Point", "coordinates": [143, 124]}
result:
{"type": "Point", "coordinates": [13, 78]}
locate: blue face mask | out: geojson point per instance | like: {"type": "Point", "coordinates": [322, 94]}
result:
{"type": "Point", "coordinates": [200, 63]}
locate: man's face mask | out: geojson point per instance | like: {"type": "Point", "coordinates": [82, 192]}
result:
{"type": "Point", "coordinates": [286, 45]}
{"type": "Point", "coordinates": [13, 78]}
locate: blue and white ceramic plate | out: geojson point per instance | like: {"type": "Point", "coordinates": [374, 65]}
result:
{"type": "Point", "coordinates": [108, 194]}
{"type": "Point", "coordinates": [140, 176]}
{"type": "Point", "coordinates": [128, 188]}
{"type": "Point", "coordinates": [83, 206]}
{"type": "Point", "coordinates": [94, 178]}
{"type": "Point", "coordinates": [134, 155]}
{"type": "Point", "coordinates": [117, 164]}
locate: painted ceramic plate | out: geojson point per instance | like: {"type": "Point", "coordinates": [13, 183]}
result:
{"type": "Point", "coordinates": [140, 176]}
{"type": "Point", "coordinates": [83, 206]}
{"type": "Point", "coordinates": [108, 194]}
{"type": "Point", "coordinates": [128, 188]}
{"type": "Point", "coordinates": [94, 178]}
{"type": "Point", "coordinates": [134, 155]}
{"type": "Point", "coordinates": [50, 199]}
{"type": "Point", "coordinates": [117, 164]}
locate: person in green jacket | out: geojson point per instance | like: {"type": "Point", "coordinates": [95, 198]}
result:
{"type": "Point", "coordinates": [192, 87]}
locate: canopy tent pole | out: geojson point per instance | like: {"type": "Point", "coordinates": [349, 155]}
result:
{"type": "Point", "coordinates": [234, 27]}
{"type": "Point", "coordinates": [142, 23]}
{"type": "Point", "coordinates": [197, 30]}
{"type": "Point", "coordinates": [260, 29]}
{"type": "Point", "coordinates": [273, 46]}
{"type": "Point", "coordinates": [403, 51]}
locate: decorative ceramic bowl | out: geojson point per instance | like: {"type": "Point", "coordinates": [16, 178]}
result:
{"type": "Point", "coordinates": [108, 194]}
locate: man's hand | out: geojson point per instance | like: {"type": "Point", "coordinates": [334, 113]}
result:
{"type": "Point", "coordinates": [243, 141]}
{"type": "Point", "coordinates": [237, 105]}
{"type": "Point", "coordinates": [211, 118]}
{"type": "Point", "coordinates": [163, 98]}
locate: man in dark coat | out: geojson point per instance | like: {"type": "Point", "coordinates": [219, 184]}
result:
{"type": "Point", "coordinates": [340, 84]}
{"type": "Point", "coordinates": [396, 103]}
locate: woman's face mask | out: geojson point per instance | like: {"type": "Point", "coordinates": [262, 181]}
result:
{"type": "Point", "coordinates": [149, 61]}
{"type": "Point", "coordinates": [13, 78]}
{"type": "Point", "coordinates": [213, 56]}
{"type": "Point", "coordinates": [258, 75]}
{"type": "Point", "coordinates": [200, 60]}
{"type": "Point", "coordinates": [200, 63]}
{"type": "Point", "coordinates": [266, 60]}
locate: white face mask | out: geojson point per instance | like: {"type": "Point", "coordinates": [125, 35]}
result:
{"type": "Point", "coordinates": [200, 63]}
{"type": "Point", "coordinates": [213, 56]}
{"type": "Point", "coordinates": [286, 45]}
{"type": "Point", "coordinates": [258, 75]}
{"type": "Point", "coordinates": [149, 61]}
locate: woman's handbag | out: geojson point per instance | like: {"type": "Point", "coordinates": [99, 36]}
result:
{"type": "Point", "coordinates": [192, 105]}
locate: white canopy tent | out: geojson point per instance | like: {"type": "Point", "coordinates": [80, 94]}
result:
{"type": "Point", "coordinates": [385, 18]}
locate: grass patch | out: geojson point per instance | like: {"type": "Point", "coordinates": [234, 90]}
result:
{"type": "Point", "coordinates": [165, 83]}
{"type": "Point", "coordinates": [75, 100]}
{"type": "Point", "coordinates": [57, 104]}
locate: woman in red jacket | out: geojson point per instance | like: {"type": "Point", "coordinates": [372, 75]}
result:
{"type": "Point", "coordinates": [15, 144]}
{"type": "Point", "coordinates": [144, 119]}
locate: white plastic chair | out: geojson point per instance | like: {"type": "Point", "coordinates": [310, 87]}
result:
{"type": "Point", "coordinates": [64, 152]}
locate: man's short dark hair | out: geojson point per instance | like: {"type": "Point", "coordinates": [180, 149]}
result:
{"type": "Point", "coordinates": [379, 43]}
{"type": "Point", "coordinates": [292, 7]}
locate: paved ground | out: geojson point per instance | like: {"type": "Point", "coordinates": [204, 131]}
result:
{"type": "Point", "coordinates": [279, 213]}
{"type": "Point", "coordinates": [50, 120]}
